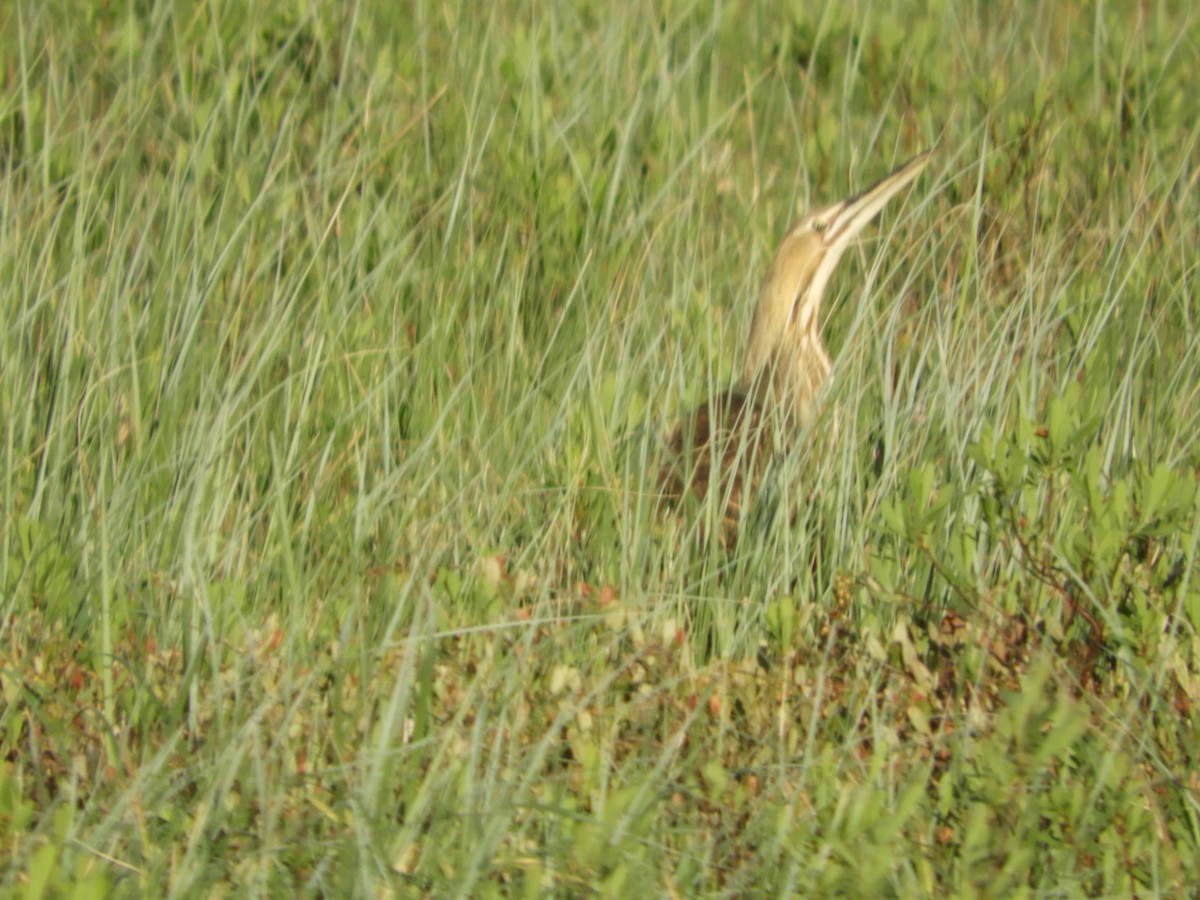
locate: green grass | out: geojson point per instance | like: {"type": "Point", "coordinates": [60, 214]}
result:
{"type": "Point", "coordinates": [339, 349]}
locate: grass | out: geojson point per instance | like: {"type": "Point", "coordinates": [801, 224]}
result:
{"type": "Point", "coordinates": [339, 346]}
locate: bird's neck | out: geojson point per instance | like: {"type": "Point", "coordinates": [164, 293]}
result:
{"type": "Point", "coordinates": [791, 377]}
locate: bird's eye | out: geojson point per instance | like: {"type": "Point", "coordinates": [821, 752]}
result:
{"type": "Point", "coordinates": [819, 226]}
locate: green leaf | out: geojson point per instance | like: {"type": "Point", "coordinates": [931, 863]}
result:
{"type": "Point", "coordinates": [893, 515]}
{"type": "Point", "coordinates": [41, 867]}
{"type": "Point", "coordinates": [1160, 482]}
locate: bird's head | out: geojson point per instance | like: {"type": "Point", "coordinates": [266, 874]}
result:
{"type": "Point", "coordinates": [785, 359]}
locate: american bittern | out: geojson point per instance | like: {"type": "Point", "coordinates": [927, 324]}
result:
{"type": "Point", "coordinates": [726, 443]}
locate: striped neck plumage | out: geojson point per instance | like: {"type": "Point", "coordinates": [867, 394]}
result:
{"type": "Point", "coordinates": [786, 363]}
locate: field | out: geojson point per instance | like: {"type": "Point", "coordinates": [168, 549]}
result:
{"type": "Point", "coordinates": [341, 343]}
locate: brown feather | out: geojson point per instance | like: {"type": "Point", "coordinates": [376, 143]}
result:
{"type": "Point", "coordinates": [723, 445]}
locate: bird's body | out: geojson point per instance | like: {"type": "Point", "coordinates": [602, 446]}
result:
{"type": "Point", "coordinates": [721, 446]}
{"type": "Point", "coordinates": [726, 443]}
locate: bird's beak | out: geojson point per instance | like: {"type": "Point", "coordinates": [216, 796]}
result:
{"type": "Point", "coordinates": [848, 218]}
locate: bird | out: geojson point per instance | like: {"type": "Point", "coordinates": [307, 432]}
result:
{"type": "Point", "coordinates": [726, 443]}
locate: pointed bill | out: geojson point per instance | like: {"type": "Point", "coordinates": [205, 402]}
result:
{"type": "Point", "coordinates": [849, 217]}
